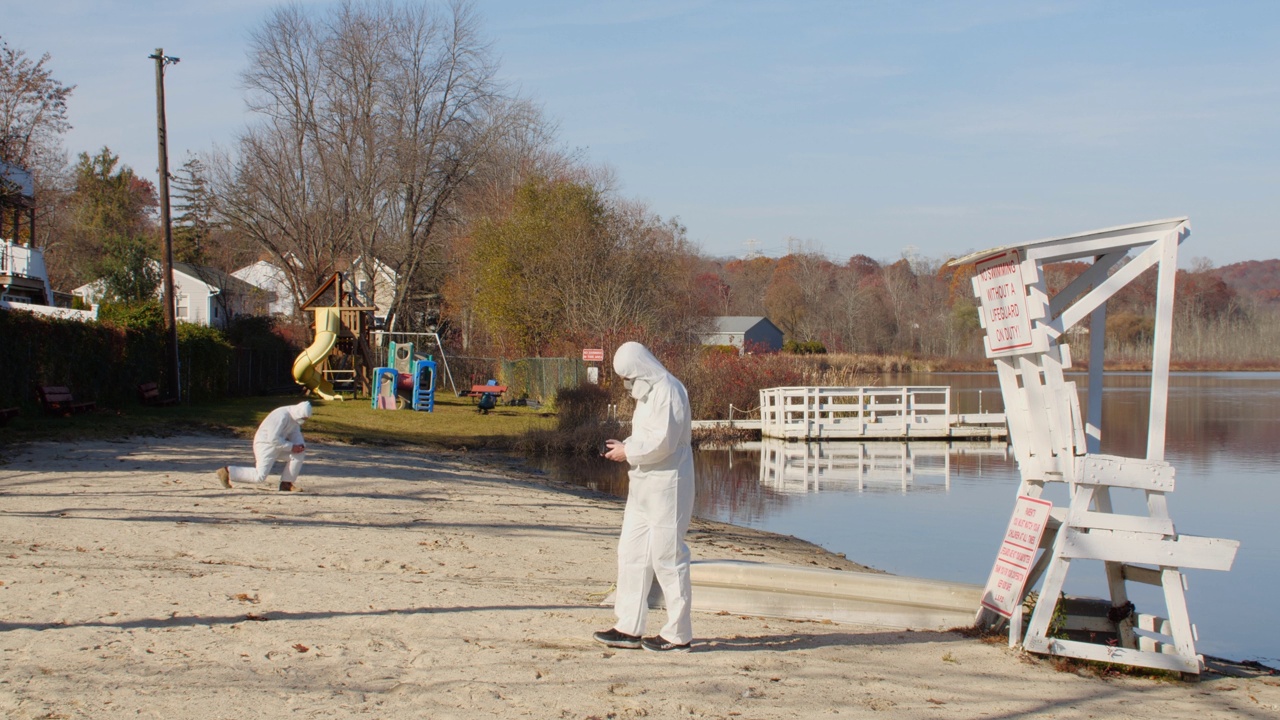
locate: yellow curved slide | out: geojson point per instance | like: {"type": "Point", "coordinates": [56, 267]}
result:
{"type": "Point", "coordinates": [328, 321]}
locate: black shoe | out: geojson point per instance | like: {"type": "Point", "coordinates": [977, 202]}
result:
{"type": "Point", "coordinates": [286, 487]}
{"type": "Point", "coordinates": [618, 639]}
{"type": "Point", "coordinates": [657, 643]}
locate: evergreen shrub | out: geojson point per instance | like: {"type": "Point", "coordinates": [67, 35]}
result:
{"type": "Point", "coordinates": [808, 347]}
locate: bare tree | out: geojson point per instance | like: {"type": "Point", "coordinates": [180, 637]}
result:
{"type": "Point", "coordinates": [277, 190]}
{"type": "Point", "coordinates": [372, 117]}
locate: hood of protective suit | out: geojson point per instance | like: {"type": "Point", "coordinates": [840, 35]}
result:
{"type": "Point", "coordinates": [301, 411]}
{"type": "Point", "coordinates": [638, 368]}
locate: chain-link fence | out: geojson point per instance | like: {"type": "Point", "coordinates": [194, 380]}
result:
{"type": "Point", "coordinates": [540, 379]}
{"type": "Point", "coordinates": [536, 379]}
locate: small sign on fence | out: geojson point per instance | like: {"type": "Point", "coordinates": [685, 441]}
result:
{"type": "Point", "coordinates": [1017, 554]}
{"type": "Point", "coordinates": [592, 355]}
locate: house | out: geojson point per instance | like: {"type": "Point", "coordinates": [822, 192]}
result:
{"type": "Point", "coordinates": [24, 285]}
{"type": "Point", "coordinates": [17, 200]}
{"type": "Point", "coordinates": [374, 284]}
{"type": "Point", "coordinates": [24, 281]}
{"type": "Point", "coordinates": [22, 275]}
{"type": "Point", "coordinates": [271, 279]}
{"type": "Point", "coordinates": [742, 331]}
{"type": "Point", "coordinates": [202, 295]}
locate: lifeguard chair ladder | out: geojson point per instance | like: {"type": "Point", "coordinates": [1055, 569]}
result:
{"type": "Point", "coordinates": [1053, 442]}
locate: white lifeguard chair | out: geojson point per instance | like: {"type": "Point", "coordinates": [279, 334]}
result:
{"type": "Point", "coordinates": [1054, 442]}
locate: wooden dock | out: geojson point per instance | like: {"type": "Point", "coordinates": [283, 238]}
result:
{"type": "Point", "coordinates": [864, 413]}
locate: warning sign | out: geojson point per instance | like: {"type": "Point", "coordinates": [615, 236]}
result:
{"type": "Point", "coordinates": [1017, 554]}
{"type": "Point", "coordinates": [1003, 296]}
{"type": "Point", "coordinates": [593, 355]}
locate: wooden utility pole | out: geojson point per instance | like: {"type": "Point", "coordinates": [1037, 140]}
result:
{"type": "Point", "coordinates": [170, 322]}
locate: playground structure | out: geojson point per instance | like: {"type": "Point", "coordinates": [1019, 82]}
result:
{"type": "Point", "coordinates": [404, 347]}
{"type": "Point", "coordinates": [343, 352]}
{"type": "Point", "coordinates": [404, 375]}
{"type": "Point", "coordinates": [340, 354]}
{"type": "Point", "coordinates": [1057, 445]}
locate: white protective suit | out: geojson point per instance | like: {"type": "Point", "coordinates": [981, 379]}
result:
{"type": "Point", "coordinates": [276, 436]}
{"type": "Point", "coordinates": [659, 497]}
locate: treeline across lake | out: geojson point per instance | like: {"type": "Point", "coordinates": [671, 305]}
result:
{"type": "Point", "coordinates": [924, 310]}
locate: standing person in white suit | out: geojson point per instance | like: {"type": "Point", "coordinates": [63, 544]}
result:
{"type": "Point", "coordinates": [659, 505]}
{"type": "Point", "coordinates": [279, 437]}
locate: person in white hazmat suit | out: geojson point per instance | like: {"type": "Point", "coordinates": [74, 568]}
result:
{"type": "Point", "coordinates": [659, 505]}
{"type": "Point", "coordinates": [279, 437]}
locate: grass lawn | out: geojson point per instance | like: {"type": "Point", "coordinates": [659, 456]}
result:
{"type": "Point", "coordinates": [455, 423]}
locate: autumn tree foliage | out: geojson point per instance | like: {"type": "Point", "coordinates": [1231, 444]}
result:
{"type": "Point", "coordinates": [570, 266]}
{"type": "Point", "coordinates": [107, 209]}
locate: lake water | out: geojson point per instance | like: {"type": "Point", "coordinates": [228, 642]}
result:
{"type": "Point", "coordinates": [939, 511]}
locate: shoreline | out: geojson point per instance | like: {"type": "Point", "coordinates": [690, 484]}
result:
{"type": "Point", "coordinates": [749, 543]}
{"type": "Point", "coordinates": [406, 584]}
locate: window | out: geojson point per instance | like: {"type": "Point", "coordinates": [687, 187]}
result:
{"type": "Point", "coordinates": [181, 305]}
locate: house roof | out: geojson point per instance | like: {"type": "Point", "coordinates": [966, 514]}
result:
{"type": "Point", "coordinates": [212, 277]}
{"type": "Point", "coordinates": [739, 323]}
{"type": "Point", "coordinates": [215, 278]}
{"type": "Point", "coordinates": [16, 180]}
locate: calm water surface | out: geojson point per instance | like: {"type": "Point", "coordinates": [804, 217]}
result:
{"type": "Point", "coordinates": [936, 511]}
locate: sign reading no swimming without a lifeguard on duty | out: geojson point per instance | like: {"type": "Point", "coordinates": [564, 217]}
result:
{"type": "Point", "coordinates": [999, 286]}
{"type": "Point", "coordinates": [1017, 553]}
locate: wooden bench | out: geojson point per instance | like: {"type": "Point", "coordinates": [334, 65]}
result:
{"type": "Point", "coordinates": [149, 394]}
{"type": "Point", "coordinates": [6, 413]}
{"type": "Point", "coordinates": [57, 400]}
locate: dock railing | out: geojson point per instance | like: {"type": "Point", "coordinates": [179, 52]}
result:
{"type": "Point", "coordinates": [810, 413]}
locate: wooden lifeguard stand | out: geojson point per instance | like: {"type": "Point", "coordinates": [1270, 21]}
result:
{"type": "Point", "coordinates": [1054, 442]}
{"type": "Point", "coordinates": [351, 361]}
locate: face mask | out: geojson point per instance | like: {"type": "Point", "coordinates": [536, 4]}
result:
{"type": "Point", "coordinates": [640, 388]}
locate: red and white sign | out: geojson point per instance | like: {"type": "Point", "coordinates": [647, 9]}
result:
{"type": "Point", "coordinates": [1003, 295]}
{"type": "Point", "coordinates": [1017, 554]}
{"type": "Point", "coordinates": [592, 355]}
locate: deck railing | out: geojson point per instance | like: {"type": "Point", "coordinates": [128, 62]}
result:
{"type": "Point", "coordinates": [795, 413]}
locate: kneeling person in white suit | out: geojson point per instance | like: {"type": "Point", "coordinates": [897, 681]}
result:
{"type": "Point", "coordinates": [279, 437]}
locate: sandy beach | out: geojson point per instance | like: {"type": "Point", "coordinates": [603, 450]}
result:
{"type": "Point", "coordinates": [401, 584]}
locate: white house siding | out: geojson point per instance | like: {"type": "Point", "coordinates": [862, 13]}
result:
{"type": "Point", "coordinates": [271, 279]}
{"type": "Point", "coordinates": [378, 293]}
{"type": "Point", "coordinates": [195, 300]}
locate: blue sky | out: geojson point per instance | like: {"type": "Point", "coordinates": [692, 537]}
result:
{"type": "Point", "coordinates": [877, 128]}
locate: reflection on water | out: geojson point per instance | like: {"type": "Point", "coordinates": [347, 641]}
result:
{"type": "Point", "coordinates": [863, 466]}
{"type": "Point", "coordinates": [938, 511]}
